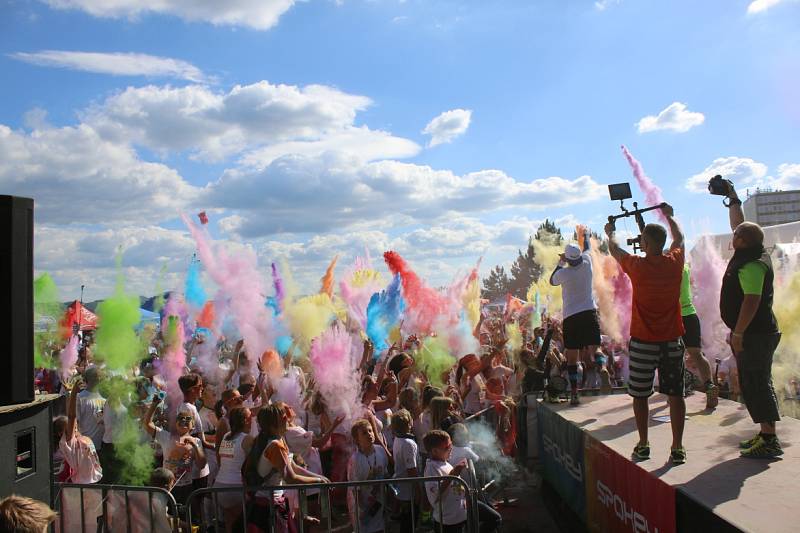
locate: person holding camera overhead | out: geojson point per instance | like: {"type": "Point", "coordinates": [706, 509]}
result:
{"type": "Point", "coordinates": [656, 327]}
{"type": "Point", "coordinates": [746, 308]}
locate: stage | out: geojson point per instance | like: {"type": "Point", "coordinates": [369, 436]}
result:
{"type": "Point", "coordinates": [585, 452]}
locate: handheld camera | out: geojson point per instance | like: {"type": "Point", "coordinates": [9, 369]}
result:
{"type": "Point", "coordinates": [622, 192]}
{"type": "Point", "coordinates": [719, 186]}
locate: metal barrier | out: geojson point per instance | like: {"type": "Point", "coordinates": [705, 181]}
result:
{"type": "Point", "coordinates": [195, 501]}
{"type": "Point", "coordinates": [114, 508]}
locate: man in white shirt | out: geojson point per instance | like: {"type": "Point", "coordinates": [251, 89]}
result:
{"type": "Point", "coordinates": [581, 325]}
{"type": "Point", "coordinates": [90, 408]}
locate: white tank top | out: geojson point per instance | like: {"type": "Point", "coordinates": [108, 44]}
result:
{"type": "Point", "coordinates": [231, 459]}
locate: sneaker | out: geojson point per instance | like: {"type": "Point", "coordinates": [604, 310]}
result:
{"type": "Point", "coordinates": [749, 443]}
{"type": "Point", "coordinates": [712, 395]}
{"type": "Point", "coordinates": [574, 400]}
{"type": "Point", "coordinates": [764, 449]}
{"type": "Point", "coordinates": [605, 382]}
{"type": "Point", "coordinates": [642, 452]}
{"type": "Point", "coordinates": [678, 455]}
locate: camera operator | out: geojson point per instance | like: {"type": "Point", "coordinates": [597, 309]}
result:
{"type": "Point", "coordinates": [746, 308]}
{"type": "Point", "coordinates": [581, 326]}
{"type": "Point", "coordinates": [656, 328]}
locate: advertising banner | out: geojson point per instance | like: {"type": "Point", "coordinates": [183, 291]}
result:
{"type": "Point", "coordinates": [561, 452]}
{"type": "Point", "coordinates": [622, 497]}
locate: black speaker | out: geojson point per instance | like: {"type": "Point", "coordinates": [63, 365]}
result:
{"type": "Point", "coordinates": [16, 299]}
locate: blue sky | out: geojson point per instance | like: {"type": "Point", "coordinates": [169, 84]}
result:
{"type": "Point", "coordinates": [321, 148]}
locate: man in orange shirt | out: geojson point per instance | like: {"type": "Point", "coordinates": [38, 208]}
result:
{"type": "Point", "coordinates": [656, 328]}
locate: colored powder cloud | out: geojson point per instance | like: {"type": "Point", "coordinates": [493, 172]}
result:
{"type": "Point", "coordinates": [384, 311]}
{"type": "Point", "coordinates": [334, 358]}
{"type": "Point", "coordinates": [308, 317]}
{"type": "Point", "coordinates": [435, 359]}
{"type": "Point", "coordinates": [424, 305]}
{"type": "Point", "coordinates": [652, 192]}
{"type": "Point", "coordinates": [240, 283]}
{"type": "Point", "coordinates": [357, 287]}
{"type": "Point", "coordinates": [118, 316]}
{"type": "Point", "coordinates": [194, 292]}
{"type": "Point", "coordinates": [327, 279]}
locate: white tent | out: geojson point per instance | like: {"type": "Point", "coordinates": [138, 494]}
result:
{"type": "Point", "coordinates": [782, 240]}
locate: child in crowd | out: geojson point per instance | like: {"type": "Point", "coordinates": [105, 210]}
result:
{"type": "Point", "coordinates": [181, 451]}
{"type": "Point", "coordinates": [448, 501]}
{"type": "Point", "coordinates": [459, 433]}
{"type": "Point", "coordinates": [19, 514]}
{"type": "Point", "coordinates": [404, 454]}
{"type": "Point", "coordinates": [369, 461]}
{"type": "Point", "coordinates": [80, 454]}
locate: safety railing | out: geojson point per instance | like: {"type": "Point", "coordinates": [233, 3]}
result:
{"type": "Point", "coordinates": [114, 508]}
{"type": "Point", "coordinates": [247, 498]}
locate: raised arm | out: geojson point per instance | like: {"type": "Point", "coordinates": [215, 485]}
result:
{"type": "Point", "coordinates": [613, 246]}
{"type": "Point", "coordinates": [72, 411]}
{"type": "Point", "coordinates": [735, 212]}
{"type": "Point", "coordinates": [674, 228]}
{"type": "Point", "coordinates": [147, 421]}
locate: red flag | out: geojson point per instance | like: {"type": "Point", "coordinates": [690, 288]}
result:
{"type": "Point", "coordinates": [203, 217]}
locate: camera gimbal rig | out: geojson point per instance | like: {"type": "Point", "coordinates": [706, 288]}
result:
{"type": "Point", "coordinates": [622, 192]}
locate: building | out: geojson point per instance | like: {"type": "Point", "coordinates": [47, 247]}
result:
{"type": "Point", "coordinates": [769, 208]}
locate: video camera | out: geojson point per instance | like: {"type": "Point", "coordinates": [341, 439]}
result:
{"type": "Point", "coordinates": [718, 186]}
{"type": "Point", "coordinates": [622, 192]}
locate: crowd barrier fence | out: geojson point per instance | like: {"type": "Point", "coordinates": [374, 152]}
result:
{"type": "Point", "coordinates": [196, 501]}
{"type": "Point", "coordinates": [114, 509]}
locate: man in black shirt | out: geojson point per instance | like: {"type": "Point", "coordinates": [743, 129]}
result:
{"type": "Point", "coordinates": [746, 308]}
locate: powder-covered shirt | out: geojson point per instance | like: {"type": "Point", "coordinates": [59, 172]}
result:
{"type": "Point", "coordinates": [179, 457]}
{"type": "Point", "coordinates": [453, 508]}
{"type": "Point", "coordinates": [370, 499]}
{"type": "Point", "coordinates": [576, 286]}
{"type": "Point", "coordinates": [81, 455]}
{"type": "Point", "coordinates": [90, 415]}
{"type": "Point", "coordinates": [404, 453]}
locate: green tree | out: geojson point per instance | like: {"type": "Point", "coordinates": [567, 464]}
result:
{"type": "Point", "coordinates": [549, 232]}
{"type": "Point", "coordinates": [524, 271]}
{"type": "Point", "coordinates": [496, 285]}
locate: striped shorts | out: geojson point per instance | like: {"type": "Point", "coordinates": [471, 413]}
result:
{"type": "Point", "coordinates": [646, 357]}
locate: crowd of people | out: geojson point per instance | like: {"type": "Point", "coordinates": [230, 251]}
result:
{"type": "Point", "coordinates": [248, 422]}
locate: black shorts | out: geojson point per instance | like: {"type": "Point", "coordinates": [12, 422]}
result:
{"type": "Point", "coordinates": [691, 338]}
{"type": "Point", "coordinates": [645, 357]}
{"type": "Point", "coordinates": [581, 330]}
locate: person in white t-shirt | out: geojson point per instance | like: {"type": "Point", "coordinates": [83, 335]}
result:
{"type": "Point", "coordinates": [581, 324]}
{"type": "Point", "coordinates": [80, 454]}
{"type": "Point", "coordinates": [181, 451]}
{"type": "Point", "coordinates": [90, 407]}
{"type": "Point", "coordinates": [369, 461]}
{"type": "Point", "coordinates": [404, 454]}
{"type": "Point", "coordinates": [459, 434]}
{"type": "Point", "coordinates": [233, 450]}
{"type": "Point", "coordinates": [447, 499]}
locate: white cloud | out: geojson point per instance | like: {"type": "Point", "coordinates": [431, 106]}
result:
{"type": "Point", "coordinates": [447, 126]}
{"type": "Point", "coordinates": [674, 118]}
{"type": "Point", "coordinates": [76, 176]}
{"type": "Point", "coordinates": [83, 255]}
{"type": "Point", "coordinates": [743, 171]}
{"type": "Point", "coordinates": [788, 176]}
{"type": "Point", "coordinates": [602, 5]}
{"type": "Point", "coordinates": [255, 14]}
{"type": "Point", "coordinates": [214, 125]}
{"type": "Point", "coordinates": [116, 64]}
{"type": "Point", "coordinates": [362, 142]}
{"type": "Point", "coordinates": [759, 6]}
{"type": "Point", "coordinates": [317, 194]}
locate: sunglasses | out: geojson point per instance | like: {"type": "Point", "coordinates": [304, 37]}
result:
{"type": "Point", "coordinates": [185, 420]}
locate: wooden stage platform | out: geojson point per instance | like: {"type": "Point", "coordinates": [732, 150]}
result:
{"type": "Point", "coordinates": [586, 455]}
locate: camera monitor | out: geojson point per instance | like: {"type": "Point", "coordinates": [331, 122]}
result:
{"type": "Point", "coordinates": [620, 191]}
